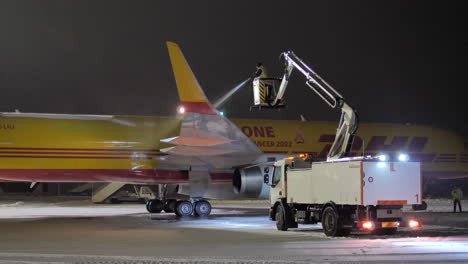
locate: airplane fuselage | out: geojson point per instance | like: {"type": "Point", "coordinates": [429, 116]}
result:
{"type": "Point", "coordinates": [127, 148]}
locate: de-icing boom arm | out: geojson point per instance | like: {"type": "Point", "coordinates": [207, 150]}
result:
{"type": "Point", "coordinates": [348, 124]}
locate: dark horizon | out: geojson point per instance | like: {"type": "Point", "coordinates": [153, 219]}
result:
{"type": "Point", "coordinates": [398, 61]}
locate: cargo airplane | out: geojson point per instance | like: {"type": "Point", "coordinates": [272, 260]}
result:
{"type": "Point", "coordinates": [198, 148]}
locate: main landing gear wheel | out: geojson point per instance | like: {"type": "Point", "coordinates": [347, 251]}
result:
{"type": "Point", "coordinates": [183, 208]}
{"type": "Point", "coordinates": [202, 208]}
{"type": "Point", "coordinates": [169, 205]}
{"type": "Point", "coordinates": [154, 206]}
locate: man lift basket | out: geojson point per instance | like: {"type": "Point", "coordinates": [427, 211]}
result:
{"type": "Point", "coordinates": [265, 91]}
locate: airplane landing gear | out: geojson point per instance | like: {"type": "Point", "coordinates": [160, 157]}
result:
{"type": "Point", "coordinates": [169, 205]}
{"type": "Point", "coordinates": [183, 208]}
{"type": "Point", "coordinates": [154, 206]}
{"type": "Point", "coordinates": [202, 208]}
{"type": "Point", "coordinates": [196, 206]}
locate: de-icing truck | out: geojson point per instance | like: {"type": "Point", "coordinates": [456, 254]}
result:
{"type": "Point", "coordinates": [343, 193]}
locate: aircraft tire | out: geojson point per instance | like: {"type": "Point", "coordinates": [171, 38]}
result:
{"type": "Point", "coordinates": [169, 205]}
{"type": "Point", "coordinates": [147, 205]}
{"type": "Point", "coordinates": [183, 208]}
{"type": "Point", "coordinates": [154, 206]}
{"type": "Point", "coordinates": [202, 208]}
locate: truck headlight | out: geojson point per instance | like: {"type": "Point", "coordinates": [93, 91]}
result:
{"type": "Point", "coordinates": [382, 157]}
{"type": "Point", "coordinates": [403, 157]}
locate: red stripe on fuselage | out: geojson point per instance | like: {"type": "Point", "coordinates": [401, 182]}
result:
{"type": "Point", "coordinates": [198, 107]}
{"type": "Point", "coordinates": [78, 153]}
{"type": "Point", "coordinates": [78, 157]}
{"type": "Point", "coordinates": [84, 149]}
{"type": "Point", "coordinates": [220, 177]}
{"type": "Point", "coordinates": [145, 176]}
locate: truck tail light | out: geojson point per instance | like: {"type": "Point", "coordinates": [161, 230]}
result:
{"type": "Point", "coordinates": [413, 223]}
{"type": "Point", "coordinates": [367, 225]}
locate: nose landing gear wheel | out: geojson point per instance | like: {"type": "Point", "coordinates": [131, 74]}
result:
{"type": "Point", "coordinates": [183, 208]}
{"type": "Point", "coordinates": [202, 208]}
{"type": "Point", "coordinates": [154, 206]}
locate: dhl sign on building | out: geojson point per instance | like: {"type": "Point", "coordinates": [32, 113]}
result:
{"type": "Point", "coordinates": [441, 152]}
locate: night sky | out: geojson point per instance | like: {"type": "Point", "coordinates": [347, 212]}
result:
{"type": "Point", "coordinates": [394, 61]}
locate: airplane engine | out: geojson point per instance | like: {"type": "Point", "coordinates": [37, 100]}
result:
{"type": "Point", "coordinates": [249, 183]}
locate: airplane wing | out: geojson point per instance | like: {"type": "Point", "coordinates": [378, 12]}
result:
{"type": "Point", "coordinates": [207, 139]}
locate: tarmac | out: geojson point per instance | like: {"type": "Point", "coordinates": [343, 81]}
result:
{"type": "Point", "coordinates": [77, 231]}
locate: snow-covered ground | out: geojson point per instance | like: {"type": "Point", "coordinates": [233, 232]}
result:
{"type": "Point", "coordinates": [24, 207]}
{"type": "Point", "coordinates": [59, 231]}
{"type": "Point", "coordinates": [53, 207]}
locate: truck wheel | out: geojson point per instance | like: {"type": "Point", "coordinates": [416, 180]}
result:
{"type": "Point", "coordinates": [292, 223]}
{"type": "Point", "coordinates": [281, 218]}
{"type": "Point", "coordinates": [331, 224]}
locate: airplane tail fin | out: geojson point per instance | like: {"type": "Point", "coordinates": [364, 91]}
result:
{"type": "Point", "coordinates": [191, 95]}
{"type": "Point", "coordinates": [206, 138]}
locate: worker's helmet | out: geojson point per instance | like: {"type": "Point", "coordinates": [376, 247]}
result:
{"type": "Point", "coordinates": [259, 64]}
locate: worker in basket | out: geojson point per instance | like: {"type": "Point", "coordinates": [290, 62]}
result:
{"type": "Point", "coordinates": [261, 72]}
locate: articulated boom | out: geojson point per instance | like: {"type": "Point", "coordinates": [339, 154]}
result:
{"type": "Point", "coordinates": [348, 124]}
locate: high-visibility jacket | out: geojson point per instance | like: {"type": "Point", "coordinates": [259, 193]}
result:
{"type": "Point", "coordinates": [457, 194]}
{"type": "Point", "coordinates": [261, 72]}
